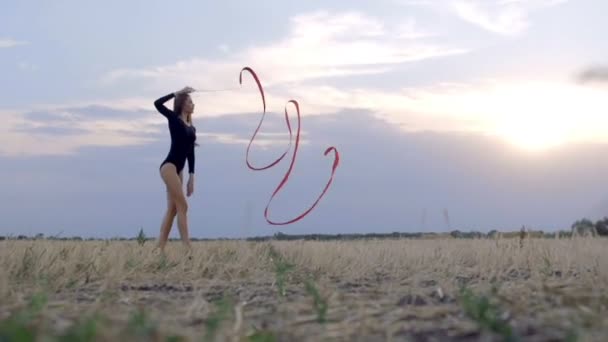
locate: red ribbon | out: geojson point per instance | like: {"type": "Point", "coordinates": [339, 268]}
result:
{"type": "Point", "coordinates": [293, 157]}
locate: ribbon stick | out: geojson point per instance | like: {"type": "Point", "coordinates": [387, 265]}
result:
{"type": "Point", "coordinates": [213, 90]}
{"type": "Point", "coordinates": [293, 157]}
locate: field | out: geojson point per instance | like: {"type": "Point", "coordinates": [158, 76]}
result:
{"type": "Point", "coordinates": [373, 290]}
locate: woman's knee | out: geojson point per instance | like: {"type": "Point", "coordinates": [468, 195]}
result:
{"type": "Point", "coordinates": [181, 206]}
{"type": "Point", "coordinates": [174, 191]}
{"type": "Point", "coordinates": [172, 210]}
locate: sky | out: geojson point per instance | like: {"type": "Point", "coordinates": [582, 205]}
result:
{"type": "Point", "coordinates": [447, 114]}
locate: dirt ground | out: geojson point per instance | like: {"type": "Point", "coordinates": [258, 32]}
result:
{"type": "Point", "coordinates": [375, 290]}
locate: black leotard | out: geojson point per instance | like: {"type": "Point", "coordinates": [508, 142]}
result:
{"type": "Point", "coordinates": [182, 137]}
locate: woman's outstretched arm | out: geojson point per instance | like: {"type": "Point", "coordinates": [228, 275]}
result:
{"type": "Point", "coordinates": [160, 105]}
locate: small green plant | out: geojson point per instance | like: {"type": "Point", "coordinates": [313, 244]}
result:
{"type": "Point", "coordinates": [571, 336]}
{"type": "Point", "coordinates": [71, 283]}
{"type": "Point", "coordinates": [19, 326]}
{"type": "Point", "coordinates": [140, 325]}
{"type": "Point", "coordinates": [262, 336]}
{"type": "Point", "coordinates": [141, 237]}
{"type": "Point", "coordinates": [547, 269]}
{"type": "Point", "coordinates": [164, 264]}
{"type": "Point", "coordinates": [85, 330]}
{"type": "Point", "coordinates": [281, 269]}
{"type": "Point", "coordinates": [319, 303]}
{"type": "Point", "coordinates": [486, 314]}
{"type": "Point", "coordinates": [27, 263]}
{"type": "Point", "coordinates": [223, 311]}
{"type": "Point", "coordinates": [130, 264]}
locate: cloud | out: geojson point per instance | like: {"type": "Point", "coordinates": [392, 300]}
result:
{"type": "Point", "coordinates": [45, 116]}
{"type": "Point", "coordinates": [33, 130]}
{"type": "Point", "coordinates": [89, 121]}
{"type": "Point", "coordinates": [496, 18]}
{"type": "Point", "coordinates": [503, 17]}
{"type": "Point", "coordinates": [532, 114]}
{"type": "Point", "coordinates": [67, 131]}
{"type": "Point", "coordinates": [526, 111]}
{"type": "Point", "coordinates": [262, 140]}
{"type": "Point", "coordinates": [89, 114]}
{"type": "Point", "coordinates": [9, 43]}
{"type": "Point", "coordinates": [386, 180]}
{"type": "Point", "coordinates": [102, 112]}
{"type": "Point", "coordinates": [319, 45]}
{"type": "Point", "coordinates": [529, 113]}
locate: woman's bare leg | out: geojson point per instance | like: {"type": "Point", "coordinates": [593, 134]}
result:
{"type": "Point", "coordinates": [167, 222]}
{"type": "Point", "coordinates": [174, 187]}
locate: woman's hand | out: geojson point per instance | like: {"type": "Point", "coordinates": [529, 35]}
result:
{"type": "Point", "coordinates": [185, 90]}
{"type": "Point", "coordinates": [190, 186]}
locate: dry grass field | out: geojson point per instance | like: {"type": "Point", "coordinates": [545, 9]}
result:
{"type": "Point", "coordinates": [374, 290]}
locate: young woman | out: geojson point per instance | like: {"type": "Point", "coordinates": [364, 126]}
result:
{"type": "Point", "coordinates": [183, 137]}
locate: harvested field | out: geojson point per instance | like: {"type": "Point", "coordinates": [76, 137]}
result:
{"type": "Point", "coordinates": [375, 290]}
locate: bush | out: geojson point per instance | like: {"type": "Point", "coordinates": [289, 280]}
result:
{"type": "Point", "coordinates": [587, 227]}
{"type": "Point", "coordinates": [601, 227]}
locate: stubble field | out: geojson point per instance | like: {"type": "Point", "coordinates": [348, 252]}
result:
{"type": "Point", "coordinates": [374, 290]}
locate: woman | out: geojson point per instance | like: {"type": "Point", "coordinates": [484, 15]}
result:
{"type": "Point", "coordinates": [183, 137]}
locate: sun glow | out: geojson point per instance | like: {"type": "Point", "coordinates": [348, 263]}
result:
{"type": "Point", "coordinates": [531, 115]}
{"type": "Point", "coordinates": [536, 117]}
{"type": "Point", "coordinates": [540, 116]}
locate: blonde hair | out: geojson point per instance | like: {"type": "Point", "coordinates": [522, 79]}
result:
{"type": "Point", "coordinates": [178, 106]}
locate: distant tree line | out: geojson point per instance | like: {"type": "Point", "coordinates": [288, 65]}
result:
{"type": "Point", "coordinates": [587, 227]}
{"type": "Point", "coordinates": [456, 234]}
{"type": "Point", "coordinates": [324, 237]}
{"type": "Point", "coordinates": [78, 238]}
{"type": "Point", "coordinates": [583, 227]}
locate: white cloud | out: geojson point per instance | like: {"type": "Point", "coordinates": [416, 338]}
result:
{"type": "Point", "coordinates": [409, 29]}
{"type": "Point", "coordinates": [322, 45]}
{"type": "Point", "coordinates": [263, 141]}
{"type": "Point", "coordinates": [88, 132]}
{"type": "Point", "coordinates": [505, 17]}
{"type": "Point", "coordinates": [8, 43]}
{"type": "Point", "coordinates": [531, 114]}
{"type": "Point", "coordinates": [506, 20]}
{"type": "Point", "coordinates": [319, 45]}
{"type": "Point", "coordinates": [25, 135]}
